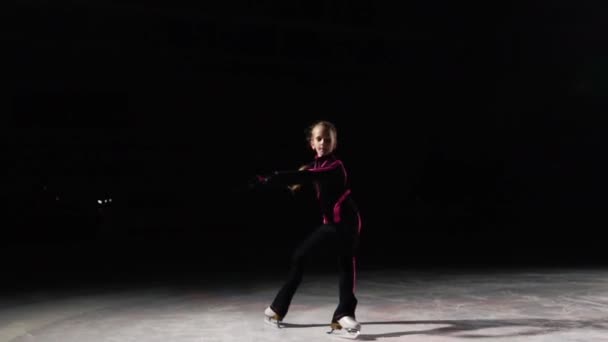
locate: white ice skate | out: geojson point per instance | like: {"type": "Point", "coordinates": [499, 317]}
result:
{"type": "Point", "coordinates": [272, 318]}
{"type": "Point", "coordinates": [346, 327]}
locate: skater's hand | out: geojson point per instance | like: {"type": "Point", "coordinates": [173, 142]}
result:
{"type": "Point", "coordinates": [294, 188]}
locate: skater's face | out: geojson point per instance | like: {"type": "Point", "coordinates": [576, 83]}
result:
{"type": "Point", "coordinates": [322, 140]}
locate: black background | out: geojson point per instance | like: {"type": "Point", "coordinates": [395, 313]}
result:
{"type": "Point", "coordinates": [474, 133]}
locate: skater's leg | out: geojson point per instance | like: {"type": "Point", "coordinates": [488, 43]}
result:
{"type": "Point", "coordinates": [348, 301]}
{"type": "Point", "coordinates": [344, 321]}
{"type": "Point", "coordinates": [348, 272]}
{"type": "Point", "coordinates": [324, 233]}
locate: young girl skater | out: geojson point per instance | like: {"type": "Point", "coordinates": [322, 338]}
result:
{"type": "Point", "coordinates": [341, 225]}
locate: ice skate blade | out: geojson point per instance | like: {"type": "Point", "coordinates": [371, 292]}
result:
{"type": "Point", "coordinates": [273, 322]}
{"type": "Point", "coordinates": [343, 333]}
{"type": "Point", "coordinates": [338, 331]}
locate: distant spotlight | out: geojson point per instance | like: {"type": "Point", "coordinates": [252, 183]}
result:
{"type": "Point", "coordinates": [110, 200]}
{"type": "Point", "coordinates": [99, 201]}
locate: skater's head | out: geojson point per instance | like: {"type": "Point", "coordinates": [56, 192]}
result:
{"type": "Point", "coordinates": [323, 138]}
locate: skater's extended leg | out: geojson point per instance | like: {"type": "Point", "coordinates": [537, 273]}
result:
{"type": "Point", "coordinates": [282, 301]}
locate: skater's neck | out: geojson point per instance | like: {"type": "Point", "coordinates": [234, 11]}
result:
{"type": "Point", "coordinates": [325, 157]}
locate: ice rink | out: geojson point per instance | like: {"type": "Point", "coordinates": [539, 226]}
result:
{"type": "Point", "coordinates": [394, 305]}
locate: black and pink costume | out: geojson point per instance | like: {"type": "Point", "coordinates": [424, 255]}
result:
{"type": "Point", "coordinates": [341, 228]}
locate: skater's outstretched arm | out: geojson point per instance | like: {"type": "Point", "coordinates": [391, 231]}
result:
{"type": "Point", "coordinates": [295, 187]}
{"type": "Point", "coordinates": [273, 179]}
{"type": "Point", "coordinates": [305, 175]}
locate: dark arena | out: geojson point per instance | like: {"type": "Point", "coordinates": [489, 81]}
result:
{"type": "Point", "coordinates": [265, 170]}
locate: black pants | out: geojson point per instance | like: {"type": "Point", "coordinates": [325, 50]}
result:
{"type": "Point", "coordinates": [343, 238]}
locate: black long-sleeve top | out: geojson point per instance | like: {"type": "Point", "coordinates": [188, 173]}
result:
{"type": "Point", "coordinates": [329, 176]}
